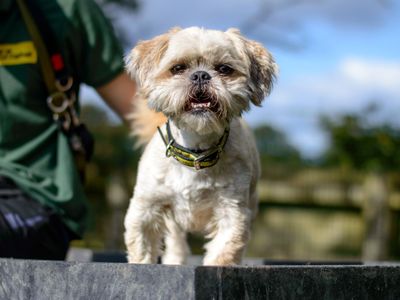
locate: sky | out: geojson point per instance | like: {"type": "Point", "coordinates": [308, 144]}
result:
{"type": "Point", "coordinates": [334, 56]}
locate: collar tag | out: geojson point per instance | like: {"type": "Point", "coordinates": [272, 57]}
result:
{"type": "Point", "coordinates": [196, 165]}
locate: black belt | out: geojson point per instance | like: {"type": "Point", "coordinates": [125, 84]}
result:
{"type": "Point", "coordinates": [6, 180]}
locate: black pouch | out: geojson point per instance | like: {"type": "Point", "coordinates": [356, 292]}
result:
{"type": "Point", "coordinates": [29, 229]}
{"type": "Point", "coordinates": [81, 140]}
{"type": "Point", "coordinates": [82, 144]}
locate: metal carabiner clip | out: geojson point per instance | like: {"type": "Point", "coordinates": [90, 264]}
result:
{"type": "Point", "coordinates": [58, 102]}
{"type": "Point", "coordinates": [64, 86]}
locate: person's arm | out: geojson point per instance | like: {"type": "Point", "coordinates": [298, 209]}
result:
{"type": "Point", "coordinates": [119, 94]}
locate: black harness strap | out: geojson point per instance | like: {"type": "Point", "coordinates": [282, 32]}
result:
{"type": "Point", "coordinates": [55, 52]}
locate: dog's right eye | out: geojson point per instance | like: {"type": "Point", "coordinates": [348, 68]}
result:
{"type": "Point", "coordinates": [178, 69]}
{"type": "Point", "coordinates": [224, 69]}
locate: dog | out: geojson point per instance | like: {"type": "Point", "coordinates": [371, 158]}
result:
{"type": "Point", "coordinates": [198, 172]}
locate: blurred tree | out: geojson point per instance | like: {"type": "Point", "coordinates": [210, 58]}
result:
{"type": "Point", "coordinates": [94, 116]}
{"type": "Point", "coordinates": [275, 149]}
{"type": "Point", "coordinates": [357, 144]}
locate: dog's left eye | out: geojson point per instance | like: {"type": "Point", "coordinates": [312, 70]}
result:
{"type": "Point", "coordinates": [224, 69]}
{"type": "Point", "coordinates": [178, 69]}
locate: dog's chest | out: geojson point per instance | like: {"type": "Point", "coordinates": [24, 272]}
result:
{"type": "Point", "coordinates": [195, 196]}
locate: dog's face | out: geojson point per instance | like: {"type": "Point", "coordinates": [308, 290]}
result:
{"type": "Point", "coordinates": [202, 78]}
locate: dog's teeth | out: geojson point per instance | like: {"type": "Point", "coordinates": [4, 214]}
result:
{"type": "Point", "coordinates": [201, 105]}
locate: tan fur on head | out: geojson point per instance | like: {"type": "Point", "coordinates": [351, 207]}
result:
{"type": "Point", "coordinates": [152, 62]}
{"type": "Point", "coordinates": [146, 55]}
{"type": "Point", "coordinates": [263, 68]}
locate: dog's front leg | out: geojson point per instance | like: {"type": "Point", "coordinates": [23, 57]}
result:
{"type": "Point", "coordinates": [230, 237]}
{"type": "Point", "coordinates": [144, 228]}
{"type": "Point", "coordinates": [176, 247]}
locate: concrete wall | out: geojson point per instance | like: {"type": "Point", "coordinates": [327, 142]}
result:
{"type": "Point", "coordinates": [24, 279]}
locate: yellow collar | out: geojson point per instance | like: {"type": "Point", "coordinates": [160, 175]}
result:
{"type": "Point", "coordinates": [198, 159]}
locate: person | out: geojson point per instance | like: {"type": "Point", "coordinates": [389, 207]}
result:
{"type": "Point", "coordinates": [42, 201]}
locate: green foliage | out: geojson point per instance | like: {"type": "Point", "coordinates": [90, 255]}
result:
{"type": "Point", "coordinates": [277, 155]}
{"type": "Point", "coordinates": [274, 146]}
{"type": "Point", "coordinates": [357, 144]}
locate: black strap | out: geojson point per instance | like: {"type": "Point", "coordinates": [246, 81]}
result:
{"type": "Point", "coordinates": [56, 56]}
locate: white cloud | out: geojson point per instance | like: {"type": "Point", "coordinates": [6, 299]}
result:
{"type": "Point", "coordinates": [377, 74]}
{"type": "Point", "coordinates": [353, 83]}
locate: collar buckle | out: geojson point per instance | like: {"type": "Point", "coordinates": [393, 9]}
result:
{"type": "Point", "coordinates": [168, 149]}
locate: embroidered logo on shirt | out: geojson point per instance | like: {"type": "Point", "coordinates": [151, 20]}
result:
{"type": "Point", "coordinates": [18, 54]}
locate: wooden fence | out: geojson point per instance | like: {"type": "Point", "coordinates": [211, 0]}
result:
{"type": "Point", "coordinates": [371, 198]}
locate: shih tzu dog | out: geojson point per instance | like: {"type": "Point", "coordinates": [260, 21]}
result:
{"type": "Point", "coordinates": [198, 172]}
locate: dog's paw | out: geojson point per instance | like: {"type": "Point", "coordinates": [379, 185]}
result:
{"type": "Point", "coordinates": [226, 259]}
{"type": "Point", "coordinates": [171, 259]}
{"type": "Point", "coordinates": [134, 259]}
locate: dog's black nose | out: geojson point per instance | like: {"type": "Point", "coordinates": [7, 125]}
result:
{"type": "Point", "coordinates": [200, 77]}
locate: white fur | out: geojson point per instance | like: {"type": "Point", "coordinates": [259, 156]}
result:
{"type": "Point", "coordinates": [171, 199]}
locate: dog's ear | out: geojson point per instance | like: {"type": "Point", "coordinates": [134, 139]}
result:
{"type": "Point", "coordinates": [263, 69]}
{"type": "Point", "coordinates": [146, 55]}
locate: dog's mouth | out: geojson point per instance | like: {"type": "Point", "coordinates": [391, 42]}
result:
{"type": "Point", "coordinates": [201, 102]}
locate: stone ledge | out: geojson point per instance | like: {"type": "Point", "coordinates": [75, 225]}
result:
{"type": "Point", "coordinates": [26, 279]}
{"type": "Point", "coordinates": [89, 255]}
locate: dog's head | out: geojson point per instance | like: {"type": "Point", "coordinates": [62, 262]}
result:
{"type": "Point", "coordinates": [202, 78]}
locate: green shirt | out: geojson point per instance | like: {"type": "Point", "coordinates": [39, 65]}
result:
{"type": "Point", "coordinates": [33, 151]}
